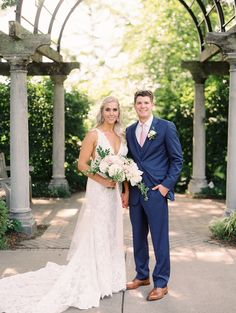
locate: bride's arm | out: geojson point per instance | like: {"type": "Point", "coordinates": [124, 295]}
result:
{"type": "Point", "coordinates": [86, 152]}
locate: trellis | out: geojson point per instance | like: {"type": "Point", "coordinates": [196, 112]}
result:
{"type": "Point", "coordinates": [30, 41]}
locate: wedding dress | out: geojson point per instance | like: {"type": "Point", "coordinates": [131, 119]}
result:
{"type": "Point", "coordinates": [96, 265]}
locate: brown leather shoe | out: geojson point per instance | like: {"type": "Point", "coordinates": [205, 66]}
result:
{"type": "Point", "coordinates": [157, 294]}
{"type": "Point", "coordinates": [135, 283]}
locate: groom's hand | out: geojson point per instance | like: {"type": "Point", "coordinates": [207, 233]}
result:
{"type": "Point", "coordinates": [125, 200]}
{"type": "Point", "coordinates": [163, 190]}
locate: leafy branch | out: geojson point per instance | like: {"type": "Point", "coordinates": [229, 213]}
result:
{"type": "Point", "coordinates": [8, 3]}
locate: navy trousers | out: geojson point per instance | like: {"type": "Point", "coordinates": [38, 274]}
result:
{"type": "Point", "coordinates": [151, 215]}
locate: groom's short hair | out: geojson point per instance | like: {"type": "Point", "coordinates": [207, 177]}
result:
{"type": "Point", "coordinates": [143, 93]}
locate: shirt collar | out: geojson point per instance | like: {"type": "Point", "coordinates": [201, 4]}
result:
{"type": "Point", "coordinates": [148, 123]}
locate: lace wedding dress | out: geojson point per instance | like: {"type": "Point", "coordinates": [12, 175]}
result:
{"type": "Point", "coordinates": [96, 265]}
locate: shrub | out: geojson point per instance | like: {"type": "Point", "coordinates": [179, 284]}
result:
{"type": "Point", "coordinates": [14, 226]}
{"type": "Point", "coordinates": [3, 224]}
{"type": "Point", "coordinates": [224, 228]}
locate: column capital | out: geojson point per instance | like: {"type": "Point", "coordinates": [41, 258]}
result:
{"type": "Point", "coordinates": [58, 79]}
{"type": "Point", "coordinates": [231, 58]}
{"type": "Point", "coordinates": [197, 71]}
{"type": "Point", "coordinates": [18, 63]}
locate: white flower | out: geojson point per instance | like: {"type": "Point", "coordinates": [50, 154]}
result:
{"type": "Point", "coordinates": [152, 134]}
{"type": "Point", "coordinates": [115, 169]}
{"type": "Point", "coordinates": [133, 174]}
{"type": "Point", "coordinates": [211, 185]}
{"type": "Point", "coordinates": [103, 166]}
{"type": "Point", "coordinates": [134, 180]}
{"type": "Point", "coordinates": [119, 169]}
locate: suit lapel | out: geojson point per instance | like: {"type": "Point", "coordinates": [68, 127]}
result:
{"type": "Point", "coordinates": [134, 139]}
{"type": "Point", "coordinates": [148, 141]}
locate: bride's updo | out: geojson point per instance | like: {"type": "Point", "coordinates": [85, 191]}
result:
{"type": "Point", "coordinates": [100, 119]}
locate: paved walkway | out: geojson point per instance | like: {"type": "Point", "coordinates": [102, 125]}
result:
{"type": "Point", "coordinates": [203, 278]}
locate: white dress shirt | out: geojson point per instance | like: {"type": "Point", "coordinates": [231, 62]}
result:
{"type": "Point", "coordinates": [147, 126]}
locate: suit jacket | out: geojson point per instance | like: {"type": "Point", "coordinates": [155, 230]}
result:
{"type": "Point", "coordinates": [160, 158]}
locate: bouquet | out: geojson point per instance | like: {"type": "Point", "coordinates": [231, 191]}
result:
{"type": "Point", "coordinates": [118, 168]}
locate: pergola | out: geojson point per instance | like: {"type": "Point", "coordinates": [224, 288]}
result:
{"type": "Point", "coordinates": [34, 35]}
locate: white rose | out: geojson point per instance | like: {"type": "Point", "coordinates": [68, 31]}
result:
{"type": "Point", "coordinates": [103, 166]}
{"type": "Point", "coordinates": [114, 169]}
{"type": "Point", "coordinates": [135, 180]}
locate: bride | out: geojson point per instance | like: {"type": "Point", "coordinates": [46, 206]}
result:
{"type": "Point", "coordinates": [96, 264]}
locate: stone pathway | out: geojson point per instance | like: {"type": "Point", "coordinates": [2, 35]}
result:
{"type": "Point", "coordinates": [203, 272]}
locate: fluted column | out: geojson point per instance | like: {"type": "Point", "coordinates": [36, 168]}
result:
{"type": "Point", "coordinates": [58, 177]}
{"type": "Point", "coordinates": [19, 145]}
{"type": "Point", "coordinates": [198, 179]}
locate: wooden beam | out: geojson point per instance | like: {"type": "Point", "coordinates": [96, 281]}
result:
{"type": "Point", "coordinates": [18, 32]}
{"type": "Point", "coordinates": [50, 53]}
{"type": "Point", "coordinates": [208, 53]}
{"type": "Point", "coordinates": [201, 70]}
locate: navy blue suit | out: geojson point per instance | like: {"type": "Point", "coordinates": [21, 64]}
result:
{"type": "Point", "coordinates": [160, 159]}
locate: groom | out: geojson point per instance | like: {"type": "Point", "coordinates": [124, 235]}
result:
{"type": "Point", "coordinates": [154, 145]}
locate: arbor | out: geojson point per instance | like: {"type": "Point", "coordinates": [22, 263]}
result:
{"type": "Point", "coordinates": [157, 43]}
{"type": "Point", "coordinates": [40, 132]}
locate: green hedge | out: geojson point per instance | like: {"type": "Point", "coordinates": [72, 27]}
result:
{"type": "Point", "coordinates": [177, 106]}
{"type": "Point", "coordinates": [40, 106]}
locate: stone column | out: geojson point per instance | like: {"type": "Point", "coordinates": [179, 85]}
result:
{"type": "Point", "coordinates": [18, 48]}
{"type": "Point", "coordinates": [58, 177]}
{"type": "Point", "coordinates": [227, 43]}
{"type": "Point", "coordinates": [198, 180]}
{"type": "Point", "coordinates": [231, 153]}
{"type": "Point", "coordinates": [19, 146]}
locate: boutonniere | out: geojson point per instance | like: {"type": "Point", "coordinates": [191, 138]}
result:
{"type": "Point", "coordinates": [152, 134]}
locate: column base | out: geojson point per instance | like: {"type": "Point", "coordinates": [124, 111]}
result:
{"type": "Point", "coordinates": [228, 212]}
{"type": "Point", "coordinates": [59, 185]}
{"type": "Point", "coordinates": [27, 221]}
{"type": "Point", "coordinates": [196, 185]}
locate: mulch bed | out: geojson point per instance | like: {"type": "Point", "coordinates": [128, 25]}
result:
{"type": "Point", "coordinates": [14, 238]}
{"type": "Point", "coordinates": [223, 243]}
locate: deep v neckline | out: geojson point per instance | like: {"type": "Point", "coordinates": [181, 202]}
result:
{"type": "Point", "coordinates": [113, 150]}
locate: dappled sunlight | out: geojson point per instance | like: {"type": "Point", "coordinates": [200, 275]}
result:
{"type": "Point", "coordinates": [67, 213]}
{"type": "Point", "coordinates": [51, 236]}
{"type": "Point", "coordinates": [81, 200]}
{"type": "Point", "coordinates": [136, 293]}
{"type": "Point", "coordinates": [130, 249]}
{"type": "Point", "coordinates": [59, 222]}
{"type": "Point", "coordinates": [185, 254]}
{"type": "Point", "coordinates": [9, 271]}
{"type": "Point", "coordinates": [205, 254]}
{"type": "Point", "coordinates": [173, 233]}
{"type": "Point", "coordinates": [43, 214]}
{"type": "Point", "coordinates": [219, 256]}
{"type": "Point", "coordinates": [175, 294]}
{"type": "Point", "coordinates": [43, 201]}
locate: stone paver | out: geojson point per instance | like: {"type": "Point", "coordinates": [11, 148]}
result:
{"type": "Point", "coordinates": [203, 273]}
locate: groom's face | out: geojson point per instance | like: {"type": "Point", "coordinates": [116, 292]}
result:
{"type": "Point", "coordinates": [143, 107]}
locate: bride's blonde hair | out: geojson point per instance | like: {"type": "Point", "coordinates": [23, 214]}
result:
{"type": "Point", "coordinates": [100, 118]}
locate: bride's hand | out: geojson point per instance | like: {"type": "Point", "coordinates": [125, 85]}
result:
{"type": "Point", "coordinates": [109, 183]}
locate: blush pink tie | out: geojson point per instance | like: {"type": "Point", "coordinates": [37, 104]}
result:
{"type": "Point", "coordinates": [142, 135]}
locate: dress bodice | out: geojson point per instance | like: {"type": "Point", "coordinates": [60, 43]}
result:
{"type": "Point", "coordinates": [105, 144]}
